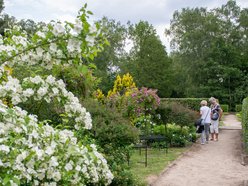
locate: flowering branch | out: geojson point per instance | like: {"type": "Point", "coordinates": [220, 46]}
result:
{"type": "Point", "coordinates": [37, 154]}
{"type": "Point", "coordinates": [45, 89]}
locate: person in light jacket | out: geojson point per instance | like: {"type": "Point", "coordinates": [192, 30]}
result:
{"type": "Point", "coordinates": [205, 113]}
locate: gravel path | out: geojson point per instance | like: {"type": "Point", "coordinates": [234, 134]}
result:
{"type": "Point", "coordinates": [230, 122]}
{"type": "Point", "coordinates": [213, 164]}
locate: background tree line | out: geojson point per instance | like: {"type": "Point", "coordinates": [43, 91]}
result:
{"type": "Point", "coordinates": [210, 49]}
{"type": "Point", "coordinates": [208, 53]}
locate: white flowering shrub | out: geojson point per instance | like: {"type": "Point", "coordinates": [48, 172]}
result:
{"type": "Point", "coordinates": [37, 154]}
{"type": "Point", "coordinates": [56, 43]}
{"type": "Point", "coordinates": [45, 89]}
{"type": "Point", "coordinates": [31, 151]}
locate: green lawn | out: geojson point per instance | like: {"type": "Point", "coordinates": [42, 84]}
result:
{"type": "Point", "coordinates": [157, 162]}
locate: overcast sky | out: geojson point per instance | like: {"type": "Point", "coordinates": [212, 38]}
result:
{"type": "Point", "coordinates": [156, 12]}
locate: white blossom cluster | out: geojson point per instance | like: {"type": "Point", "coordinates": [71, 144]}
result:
{"type": "Point", "coordinates": [45, 89]}
{"type": "Point", "coordinates": [37, 154]}
{"type": "Point", "coordinates": [31, 152]}
{"type": "Point", "coordinates": [55, 43]}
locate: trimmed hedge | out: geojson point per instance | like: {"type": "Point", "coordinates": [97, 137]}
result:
{"type": "Point", "coordinates": [245, 123]}
{"type": "Point", "coordinates": [224, 107]}
{"type": "Point", "coordinates": [238, 108]}
{"type": "Point", "coordinates": [192, 103]}
{"type": "Point", "coordinates": [174, 112]}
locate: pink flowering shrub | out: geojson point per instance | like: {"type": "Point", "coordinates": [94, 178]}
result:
{"type": "Point", "coordinates": [142, 102]}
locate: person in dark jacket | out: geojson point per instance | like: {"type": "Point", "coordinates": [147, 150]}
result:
{"type": "Point", "coordinates": [216, 113]}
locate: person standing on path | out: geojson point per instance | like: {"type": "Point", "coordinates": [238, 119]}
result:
{"type": "Point", "coordinates": [205, 115]}
{"type": "Point", "coordinates": [215, 111]}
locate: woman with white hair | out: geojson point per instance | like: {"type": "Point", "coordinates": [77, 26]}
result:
{"type": "Point", "coordinates": [216, 113]}
{"type": "Point", "coordinates": [205, 116]}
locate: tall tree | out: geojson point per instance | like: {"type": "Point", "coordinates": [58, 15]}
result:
{"type": "Point", "coordinates": [29, 25]}
{"type": "Point", "coordinates": [5, 19]}
{"type": "Point", "coordinates": [109, 59]}
{"type": "Point", "coordinates": [149, 63]}
{"type": "Point", "coordinates": [209, 43]}
{"type": "Point", "coordinates": [1, 6]}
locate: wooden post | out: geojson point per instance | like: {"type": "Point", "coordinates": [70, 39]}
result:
{"type": "Point", "coordinates": [165, 133]}
{"type": "Point", "coordinates": [146, 154]}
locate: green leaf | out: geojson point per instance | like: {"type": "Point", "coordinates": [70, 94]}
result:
{"type": "Point", "coordinates": [16, 180]}
{"type": "Point", "coordinates": [6, 180]}
{"type": "Point", "coordinates": [89, 12]}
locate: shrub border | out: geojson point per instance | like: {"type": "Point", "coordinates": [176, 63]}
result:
{"type": "Point", "coordinates": [225, 107]}
{"type": "Point", "coordinates": [192, 103]}
{"type": "Point", "coordinates": [245, 124]}
{"type": "Point", "coordinates": [238, 108]}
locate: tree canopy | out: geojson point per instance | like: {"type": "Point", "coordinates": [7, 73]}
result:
{"type": "Point", "coordinates": [212, 45]}
{"type": "Point", "coordinates": [148, 61]}
{"type": "Point", "coordinates": [1, 6]}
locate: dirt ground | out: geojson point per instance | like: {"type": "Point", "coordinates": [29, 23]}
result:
{"type": "Point", "coordinates": [230, 122]}
{"type": "Point", "coordinates": [213, 164]}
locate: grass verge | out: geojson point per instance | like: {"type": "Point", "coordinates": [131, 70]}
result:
{"type": "Point", "coordinates": [157, 162]}
{"type": "Point", "coordinates": [239, 116]}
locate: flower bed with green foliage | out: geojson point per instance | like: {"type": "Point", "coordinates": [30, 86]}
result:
{"type": "Point", "coordinates": [176, 136]}
{"type": "Point", "coordinates": [137, 107]}
{"type": "Point", "coordinates": [245, 123]}
{"type": "Point", "coordinates": [141, 107]}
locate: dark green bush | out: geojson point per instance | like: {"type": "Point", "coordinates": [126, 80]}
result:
{"type": "Point", "coordinates": [245, 123]}
{"type": "Point", "coordinates": [145, 124]}
{"type": "Point", "coordinates": [176, 113]}
{"type": "Point", "coordinates": [78, 79]}
{"type": "Point", "coordinates": [192, 103]}
{"type": "Point", "coordinates": [238, 108]}
{"type": "Point", "coordinates": [225, 107]}
{"type": "Point", "coordinates": [114, 134]}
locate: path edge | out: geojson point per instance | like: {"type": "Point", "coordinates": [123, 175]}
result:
{"type": "Point", "coordinates": [174, 162]}
{"type": "Point", "coordinates": [244, 155]}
